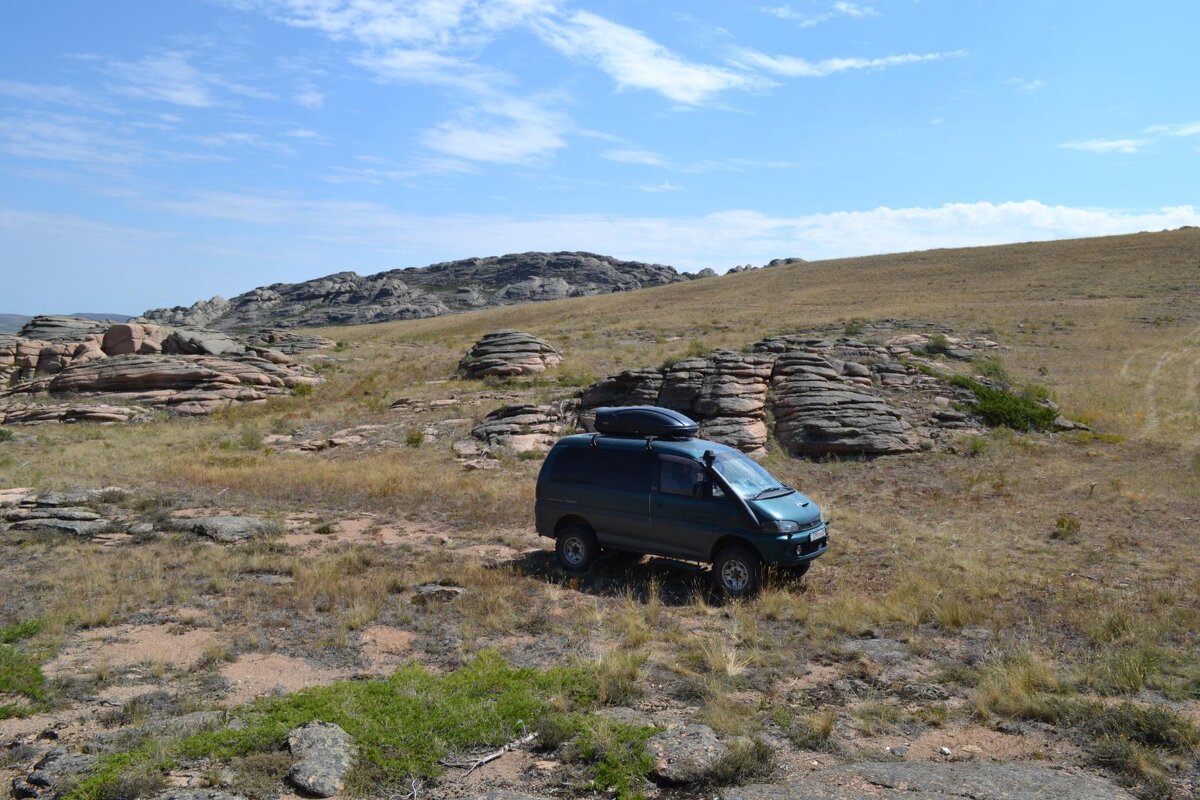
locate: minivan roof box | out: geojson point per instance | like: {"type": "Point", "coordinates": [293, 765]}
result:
{"type": "Point", "coordinates": [654, 421]}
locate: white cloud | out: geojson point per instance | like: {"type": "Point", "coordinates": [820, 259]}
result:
{"type": "Point", "coordinates": [665, 186]}
{"type": "Point", "coordinates": [636, 61]}
{"type": "Point", "coordinates": [504, 130]}
{"type": "Point", "coordinates": [1126, 146]}
{"type": "Point", "coordinates": [630, 155]}
{"type": "Point", "coordinates": [242, 139]}
{"type": "Point", "coordinates": [1026, 86]}
{"type": "Point", "coordinates": [63, 137]}
{"type": "Point", "coordinates": [44, 93]}
{"type": "Point", "coordinates": [309, 98]}
{"type": "Point", "coordinates": [726, 237]}
{"type": "Point", "coordinates": [171, 78]}
{"type": "Point", "coordinates": [427, 66]}
{"type": "Point", "coordinates": [838, 9]}
{"type": "Point", "coordinates": [796, 67]}
{"type": "Point", "coordinates": [1184, 129]}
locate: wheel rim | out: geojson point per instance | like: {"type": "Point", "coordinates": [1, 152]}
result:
{"type": "Point", "coordinates": [734, 575]}
{"type": "Point", "coordinates": [574, 551]}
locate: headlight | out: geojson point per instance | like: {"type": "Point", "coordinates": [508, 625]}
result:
{"type": "Point", "coordinates": [780, 526]}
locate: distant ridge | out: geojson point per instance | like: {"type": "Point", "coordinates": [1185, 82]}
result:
{"type": "Point", "coordinates": [346, 298]}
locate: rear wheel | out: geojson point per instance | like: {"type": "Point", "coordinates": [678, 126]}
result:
{"type": "Point", "coordinates": [576, 548]}
{"type": "Point", "coordinates": [738, 571]}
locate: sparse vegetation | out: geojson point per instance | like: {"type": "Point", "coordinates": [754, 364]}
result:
{"type": "Point", "coordinates": [999, 407]}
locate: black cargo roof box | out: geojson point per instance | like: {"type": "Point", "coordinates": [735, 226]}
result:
{"type": "Point", "coordinates": [645, 421]}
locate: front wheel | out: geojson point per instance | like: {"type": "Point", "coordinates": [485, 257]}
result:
{"type": "Point", "coordinates": [737, 571]}
{"type": "Point", "coordinates": [576, 548]}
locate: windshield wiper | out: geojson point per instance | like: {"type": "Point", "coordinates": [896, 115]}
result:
{"type": "Point", "coordinates": [772, 489]}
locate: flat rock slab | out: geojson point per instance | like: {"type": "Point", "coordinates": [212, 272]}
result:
{"type": "Point", "coordinates": [326, 753]}
{"type": "Point", "coordinates": [228, 529]}
{"type": "Point", "coordinates": [935, 781]}
{"type": "Point", "coordinates": [686, 754]}
{"type": "Point", "coordinates": [53, 774]}
{"type": "Point", "coordinates": [197, 794]}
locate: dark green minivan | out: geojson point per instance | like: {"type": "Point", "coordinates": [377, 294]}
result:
{"type": "Point", "coordinates": [644, 484]}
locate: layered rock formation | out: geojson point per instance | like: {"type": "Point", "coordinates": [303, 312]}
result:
{"type": "Point", "coordinates": [503, 354]}
{"type": "Point", "coordinates": [826, 397]}
{"type": "Point", "coordinates": [128, 367]}
{"type": "Point", "coordinates": [524, 428]}
{"type": "Point", "coordinates": [347, 298]}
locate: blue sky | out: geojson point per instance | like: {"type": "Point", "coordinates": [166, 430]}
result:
{"type": "Point", "coordinates": [157, 153]}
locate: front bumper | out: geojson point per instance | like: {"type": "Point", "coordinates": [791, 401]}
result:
{"type": "Point", "coordinates": [794, 548]}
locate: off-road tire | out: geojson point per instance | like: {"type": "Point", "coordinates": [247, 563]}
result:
{"type": "Point", "coordinates": [737, 571]}
{"type": "Point", "coordinates": [576, 548]}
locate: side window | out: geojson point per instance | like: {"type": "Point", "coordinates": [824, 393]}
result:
{"type": "Point", "coordinates": [624, 470]}
{"type": "Point", "coordinates": [572, 465]}
{"type": "Point", "coordinates": [680, 477]}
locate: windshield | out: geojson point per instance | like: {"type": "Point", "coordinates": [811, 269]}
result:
{"type": "Point", "coordinates": [745, 476]}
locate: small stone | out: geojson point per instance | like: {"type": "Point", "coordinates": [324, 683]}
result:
{"type": "Point", "coordinates": [685, 754]}
{"type": "Point", "coordinates": [944, 751]}
{"type": "Point", "coordinates": [436, 593]}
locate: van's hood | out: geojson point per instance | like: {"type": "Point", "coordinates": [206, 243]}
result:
{"type": "Point", "coordinates": [793, 506]}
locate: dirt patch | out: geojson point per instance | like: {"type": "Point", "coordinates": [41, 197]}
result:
{"type": "Point", "coordinates": [984, 744]}
{"type": "Point", "coordinates": [129, 645]}
{"type": "Point", "coordinates": [257, 674]}
{"type": "Point", "coordinates": [385, 648]}
{"type": "Point", "coordinates": [361, 529]}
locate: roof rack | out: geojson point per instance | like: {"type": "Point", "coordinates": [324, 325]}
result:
{"type": "Point", "coordinates": [645, 421]}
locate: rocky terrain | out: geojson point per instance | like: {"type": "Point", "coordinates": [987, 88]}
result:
{"type": "Point", "coordinates": [346, 298]}
{"type": "Point", "coordinates": [503, 354]}
{"type": "Point", "coordinates": [114, 373]}
{"type": "Point", "coordinates": [341, 590]}
{"type": "Point", "coordinates": [816, 396]}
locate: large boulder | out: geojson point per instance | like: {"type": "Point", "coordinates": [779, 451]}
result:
{"type": "Point", "coordinates": [227, 529]}
{"type": "Point", "coordinates": [325, 753]}
{"type": "Point", "coordinates": [506, 353]}
{"type": "Point", "coordinates": [127, 338]}
{"type": "Point", "coordinates": [525, 428]}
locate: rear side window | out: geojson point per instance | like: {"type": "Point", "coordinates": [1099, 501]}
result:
{"type": "Point", "coordinates": [624, 470]}
{"type": "Point", "coordinates": [572, 465]}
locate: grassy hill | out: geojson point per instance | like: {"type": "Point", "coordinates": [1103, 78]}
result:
{"type": "Point", "coordinates": [1046, 587]}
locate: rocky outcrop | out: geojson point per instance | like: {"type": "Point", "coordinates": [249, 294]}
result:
{"type": "Point", "coordinates": [817, 413]}
{"type": "Point", "coordinates": [49, 328]}
{"type": "Point", "coordinates": [325, 753]}
{"type": "Point", "coordinates": [525, 428]}
{"type": "Point", "coordinates": [186, 385]}
{"type": "Point", "coordinates": [687, 754]}
{"type": "Point", "coordinates": [826, 396]}
{"type": "Point", "coordinates": [53, 775]}
{"type": "Point", "coordinates": [503, 354]}
{"type": "Point", "coordinates": [80, 513]}
{"type": "Point", "coordinates": [289, 342]}
{"type": "Point", "coordinates": [67, 413]}
{"type": "Point", "coordinates": [227, 529]}
{"type": "Point", "coordinates": [935, 781]}
{"type": "Point", "coordinates": [347, 298]}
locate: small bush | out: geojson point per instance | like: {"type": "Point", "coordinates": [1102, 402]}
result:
{"type": "Point", "coordinates": [812, 731]}
{"type": "Point", "coordinates": [302, 390]}
{"type": "Point", "coordinates": [748, 760]}
{"type": "Point", "coordinates": [6, 435]}
{"type": "Point", "coordinates": [19, 675]}
{"type": "Point", "coordinates": [975, 445]}
{"type": "Point", "coordinates": [991, 367]}
{"type": "Point", "coordinates": [853, 328]}
{"type": "Point", "coordinates": [937, 345]}
{"type": "Point", "coordinates": [999, 408]}
{"type": "Point", "coordinates": [20, 630]}
{"type": "Point", "coordinates": [1067, 526]}
{"type": "Point", "coordinates": [414, 438]}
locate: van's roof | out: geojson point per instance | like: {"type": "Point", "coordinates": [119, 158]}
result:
{"type": "Point", "coordinates": [688, 448]}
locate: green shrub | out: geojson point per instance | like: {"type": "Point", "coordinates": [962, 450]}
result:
{"type": "Point", "coordinates": [20, 630]}
{"type": "Point", "coordinates": [853, 328]}
{"type": "Point", "coordinates": [414, 438]}
{"type": "Point", "coordinates": [991, 367]}
{"type": "Point", "coordinates": [6, 435]}
{"type": "Point", "coordinates": [302, 390]}
{"type": "Point", "coordinates": [937, 345]}
{"type": "Point", "coordinates": [1066, 527]}
{"type": "Point", "coordinates": [999, 408]}
{"type": "Point", "coordinates": [19, 675]}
